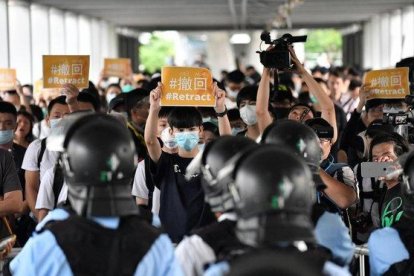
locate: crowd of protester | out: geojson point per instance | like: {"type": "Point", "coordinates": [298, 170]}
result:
{"type": "Point", "coordinates": [270, 179]}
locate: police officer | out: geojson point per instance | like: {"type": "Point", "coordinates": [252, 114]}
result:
{"type": "Point", "coordinates": [104, 233]}
{"type": "Point", "coordinates": [391, 249]}
{"type": "Point", "coordinates": [273, 193]}
{"type": "Point", "coordinates": [218, 240]}
{"type": "Point", "coordinates": [330, 230]}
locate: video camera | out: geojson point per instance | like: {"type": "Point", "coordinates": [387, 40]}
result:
{"type": "Point", "coordinates": [402, 120]}
{"type": "Point", "coordinates": [279, 56]}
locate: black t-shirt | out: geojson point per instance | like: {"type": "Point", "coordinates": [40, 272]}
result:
{"type": "Point", "coordinates": [18, 155]}
{"type": "Point", "coordinates": [182, 206]}
{"type": "Point", "coordinates": [392, 206]}
{"type": "Point", "coordinates": [348, 141]}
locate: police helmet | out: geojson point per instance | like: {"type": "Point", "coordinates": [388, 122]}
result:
{"type": "Point", "coordinates": [215, 155]}
{"type": "Point", "coordinates": [98, 162]}
{"type": "Point", "coordinates": [274, 193]}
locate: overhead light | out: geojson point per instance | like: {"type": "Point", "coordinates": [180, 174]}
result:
{"type": "Point", "coordinates": [240, 38]}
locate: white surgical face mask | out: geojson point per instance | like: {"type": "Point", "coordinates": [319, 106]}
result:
{"type": "Point", "coordinates": [110, 97]}
{"type": "Point", "coordinates": [232, 93]}
{"type": "Point", "coordinates": [168, 140]}
{"type": "Point", "coordinates": [248, 114]}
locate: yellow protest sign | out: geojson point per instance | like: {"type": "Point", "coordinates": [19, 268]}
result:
{"type": "Point", "coordinates": [387, 84]}
{"type": "Point", "coordinates": [58, 70]}
{"type": "Point", "coordinates": [7, 78]}
{"type": "Point", "coordinates": [187, 86]}
{"type": "Point", "coordinates": [117, 67]}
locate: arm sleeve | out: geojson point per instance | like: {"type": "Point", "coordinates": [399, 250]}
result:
{"type": "Point", "coordinates": [139, 188]}
{"type": "Point", "coordinates": [331, 232]}
{"type": "Point", "coordinates": [193, 254]}
{"type": "Point", "coordinates": [349, 131]}
{"type": "Point", "coordinates": [41, 256]}
{"type": "Point", "coordinates": [31, 156]}
{"type": "Point", "coordinates": [10, 179]}
{"type": "Point", "coordinates": [385, 249]}
{"type": "Point", "coordinates": [160, 260]}
{"type": "Point", "coordinates": [346, 175]}
{"type": "Point", "coordinates": [45, 196]}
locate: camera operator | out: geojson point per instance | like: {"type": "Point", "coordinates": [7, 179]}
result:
{"type": "Point", "coordinates": [299, 112]}
{"type": "Point", "coordinates": [391, 250]}
{"type": "Point", "coordinates": [387, 147]}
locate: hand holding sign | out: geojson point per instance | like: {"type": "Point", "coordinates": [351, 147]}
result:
{"type": "Point", "coordinates": [155, 97]}
{"type": "Point", "coordinates": [71, 93]}
{"type": "Point", "coordinates": [220, 98]}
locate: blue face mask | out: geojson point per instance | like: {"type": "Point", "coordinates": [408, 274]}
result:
{"type": "Point", "coordinates": [6, 136]}
{"type": "Point", "coordinates": [54, 122]}
{"type": "Point", "coordinates": [236, 130]}
{"type": "Point", "coordinates": [187, 140]}
{"type": "Point", "coordinates": [127, 88]}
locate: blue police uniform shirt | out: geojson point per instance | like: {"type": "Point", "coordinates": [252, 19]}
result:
{"type": "Point", "coordinates": [223, 268]}
{"type": "Point", "coordinates": [331, 232]}
{"type": "Point", "coordinates": [385, 249]}
{"type": "Point", "coordinates": [42, 255]}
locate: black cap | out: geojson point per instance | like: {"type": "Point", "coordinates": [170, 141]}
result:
{"type": "Point", "coordinates": [378, 126]}
{"type": "Point", "coordinates": [134, 96]}
{"type": "Point", "coordinates": [120, 99]}
{"type": "Point", "coordinates": [373, 103]}
{"type": "Point", "coordinates": [321, 127]}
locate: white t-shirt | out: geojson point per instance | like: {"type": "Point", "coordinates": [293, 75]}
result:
{"type": "Point", "coordinates": [140, 189]}
{"type": "Point", "coordinates": [46, 197]}
{"type": "Point", "coordinates": [32, 154]}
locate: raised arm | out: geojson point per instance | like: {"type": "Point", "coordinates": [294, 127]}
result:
{"type": "Point", "coordinates": [23, 99]}
{"type": "Point", "coordinates": [71, 92]}
{"type": "Point", "coordinates": [262, 101]}
{"type": "Point", "coordinates": [153, 146]}
{"type": "Point", "coordinates": [326, 104]}
{"type": "Point", "coordinates": [220, 108]}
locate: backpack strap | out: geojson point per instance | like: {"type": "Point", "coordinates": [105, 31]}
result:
{"type": "Point", "coordinates": [42, 151]}
{"type": "Point", "coordinates": [57, 182]}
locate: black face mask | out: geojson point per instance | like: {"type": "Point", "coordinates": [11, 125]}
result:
{"type": "Point", "coordinates": [281, 112]}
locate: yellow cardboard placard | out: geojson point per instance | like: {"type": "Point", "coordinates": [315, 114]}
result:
{"type": "Point", "coordinates": [187, 86]}
{"type": "Point", "coordinates": [44, 93]}
{"type": "Point", "coordinates": [7, 78]}
{"type": "Point", "coordinates": [387, 84]}
{"type": "Point", "coordinates": [58, 70]}
{"type": "Point", "coordinates": [117, 67]}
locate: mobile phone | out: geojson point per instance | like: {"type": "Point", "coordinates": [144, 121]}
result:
{"type": "Point", "coordinates": [6, 240]}
{"type": "Point", "coordinates": [376, 169]}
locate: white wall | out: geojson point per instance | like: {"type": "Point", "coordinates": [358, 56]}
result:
{"type": "Point", "coordinates": [388, 38]}
{"type": "Point", "coordinates": [28, 31]}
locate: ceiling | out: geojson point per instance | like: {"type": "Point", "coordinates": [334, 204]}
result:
{"type": "Point", "coordinates": [225, 14]}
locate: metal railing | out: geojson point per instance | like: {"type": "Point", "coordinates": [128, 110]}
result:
{"type": "Point", "coordinates": [361, 251]}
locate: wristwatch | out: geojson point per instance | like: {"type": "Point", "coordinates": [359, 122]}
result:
{"type": "Point", "coordinates": [222, 114]}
